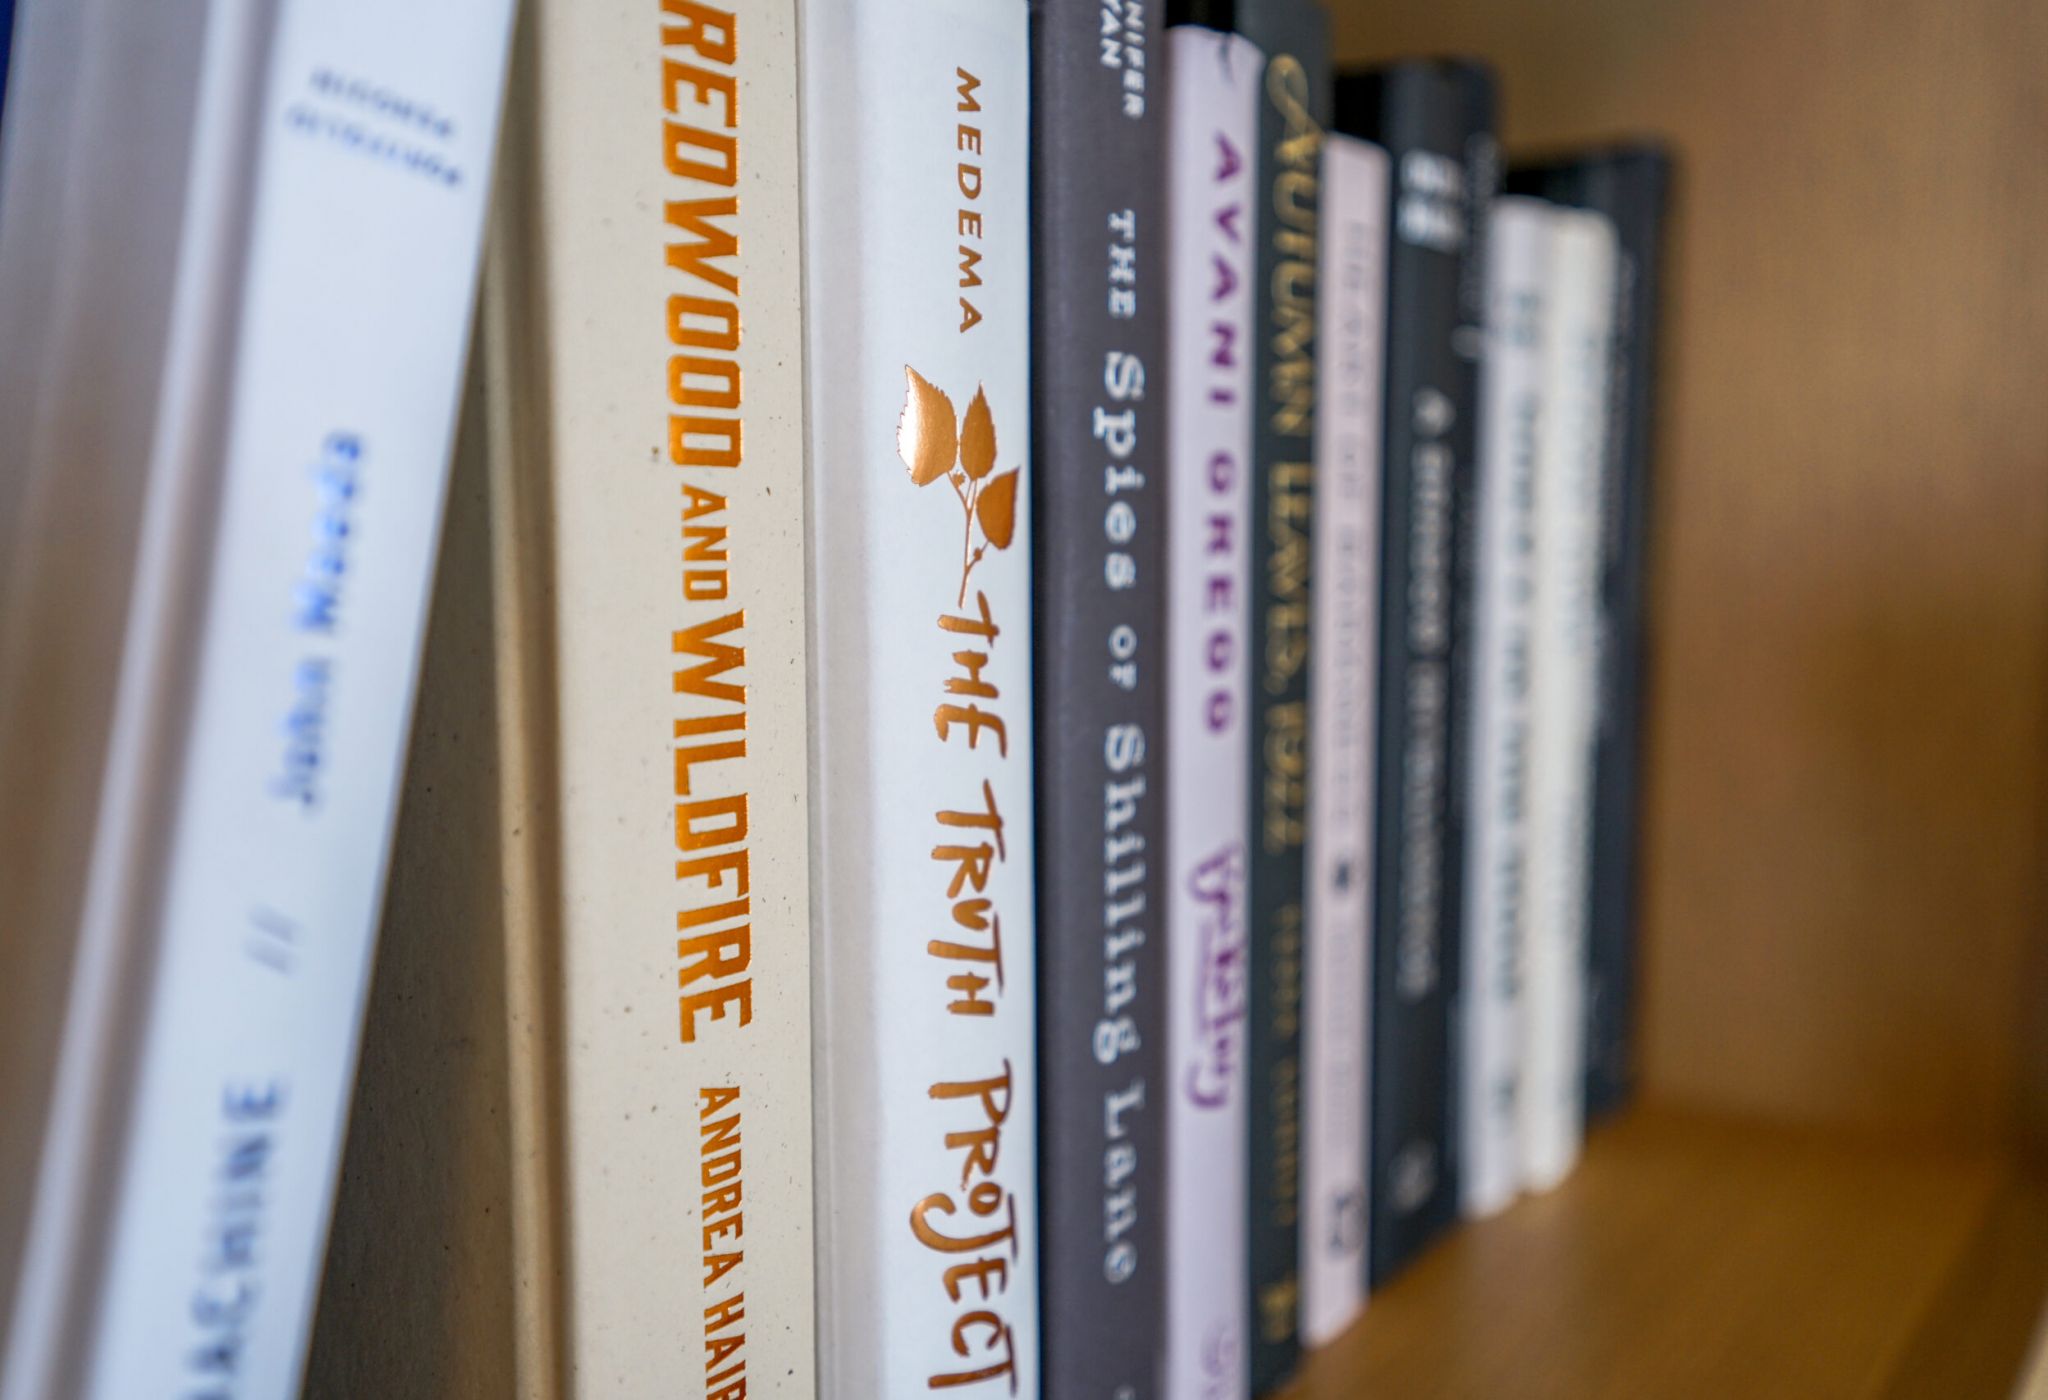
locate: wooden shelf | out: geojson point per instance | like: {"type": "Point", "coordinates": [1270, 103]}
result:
{"type": "Point", "coordinates": [1701, 1257]}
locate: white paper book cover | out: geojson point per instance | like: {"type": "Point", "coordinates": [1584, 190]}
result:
{"type": "Point", "coordinates": [1212, 146]}
{"type": "Point", "coordinates": [1351, 330]}
{"type": "Point", "coordinates": [88, 276]}
{"type": "Point", "coordinates": [1577, 352]}
{"type": "Point", "coordinates": [646, 274]}
{"type": "Point", "coordinates": [345, 315]}
{"type": "Point", "coordinates": [1497, 823]}
{"type": "Point", "coordinates": [916, 166]}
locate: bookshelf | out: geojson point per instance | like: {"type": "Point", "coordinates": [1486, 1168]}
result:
{"type": "Point", "coordinates": [1832, 1184]}
{"type": "Point", "coordinates": [1691, 1255]}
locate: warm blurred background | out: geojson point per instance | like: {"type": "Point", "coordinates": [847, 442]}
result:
{"type": "Point", "coordinates": [1845, 1017]}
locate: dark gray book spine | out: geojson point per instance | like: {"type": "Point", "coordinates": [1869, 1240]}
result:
{"type": "Point", "coordinates": [1435, 120]}
{"type": "Point", "coordinates": [1629, 185]}
{"type": "Point", "coordinates": [1294, 109]}
{"type": "Point", "coordinates": [1099, 402]}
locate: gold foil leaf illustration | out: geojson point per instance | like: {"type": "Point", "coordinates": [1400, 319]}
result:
{"type": "Point", "coordinates": [925, 437]}
{"type": "Point", "coordinates": [978, 437]}
{"type": "Point", "coordinates": [996, 509]}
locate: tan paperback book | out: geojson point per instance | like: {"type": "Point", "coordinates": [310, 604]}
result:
{"type": "Point", "coordinates": [634, 452]}
{"type": "Point", "coordinates": [653, 348]}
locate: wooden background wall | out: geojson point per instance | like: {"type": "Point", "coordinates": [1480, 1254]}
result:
{"type": "Point", "coordinates": [1850, 722]}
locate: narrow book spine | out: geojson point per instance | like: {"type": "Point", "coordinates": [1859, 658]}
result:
{"type": "Point", "coordinates": [1564, 617]}
{"type": "Point", "coordinates": [1630, 186]}
{"type": "Point", "coordinates": [1497, 826]}
{"type": "Point", "coordinates": [1212, 168]}
{"type": "Point", "coordinates": [1294, 108]}
{"type": "Point", "coordinates": [648, 240]}
{"type": "Point", "coordinates": [339, 393]}
{"type": "Point", "coordinates": [915, 156]}
{"type": "Point", "coordinates": [1098, 489]}
{"type": "Point", "coordinates": [1351, 341]}
{"type": "Point", "coordinates": [1436, 123]}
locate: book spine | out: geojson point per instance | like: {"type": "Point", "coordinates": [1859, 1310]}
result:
{"type": "Point", "coordinates": [1294, 109]}
{"type": "Point", "coordinates": [91, 269]}
{"type": "Point", "coordinates": [1564, 616]}
{"type": "Point", "coordinates": [1098, 488]}
{"type": "Point", "coordinates": [648, 236]}
{"type": "Point", "coordinates": [1630, 189]}
{"type": "Point", "coordinates": [1497, 831]}
{"type": "Point", "coordinates": [1351, 340]}
{"type": "Point", "coordinates": [1436, 123]}
{"type": "Point", "coordinates": [338, 388]}
{"type": "Point", "coordinates": [915, 157]}
{"type": "Point", "coordinates": [1212, 169]}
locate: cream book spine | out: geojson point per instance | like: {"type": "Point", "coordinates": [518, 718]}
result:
{"type": "Point", "coordinates": [1343, 719]}
{"type": "Point", "coordinates": [645, 371]}
{"type": "Point", "coordinates": [916, 168]}
{"type": "Point", "coordinates": [1511, 437]}
{"type": "Point", "coordinates": [1212, 149]}
{"type": "Point", "coordinates": [341, 160]}
{"type": "Point", "coordinates": [1577, 353]}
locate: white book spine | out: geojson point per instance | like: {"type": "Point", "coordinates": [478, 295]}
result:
{"type": "Point", "coordinates": [1577, 354]}
{"type": "Point", "coordinates": [916, 168]}
{"type": "Point", "coordinates": [659, 399]}
{"type": "Point", "coordinates": [372, 166]}
{"type": "Point", "coordinates": [1496, 865]}
{"type": "Point", "coordinates": [1212, 142]}
{"type": "Point", "coordinates": [1343, 714]}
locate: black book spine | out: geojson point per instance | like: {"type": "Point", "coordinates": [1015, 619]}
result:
{"type": "Point", "coordinates": [1435, 120]}
{"type": "Point", "coordinates": [1630, 186]}
{"type": "Point", "coordinates": [1098, 361]}
{"type": "Point", "coordinates": [1294, 109]}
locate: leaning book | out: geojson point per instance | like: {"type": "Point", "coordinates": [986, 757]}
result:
{"type": "Point", "coordinates": [287, 413]}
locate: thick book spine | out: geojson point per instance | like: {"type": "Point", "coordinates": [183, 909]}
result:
{"type": "Point", "coordinates": [1563, 619]}
{"type": "Point", "coordinates": [915, 154]}
{"type": "Point", "coordinates": [1436, 122]}
{"type": "Point", "coordinates": [1098, 499]}
{"type": "Point", "coordinates": [331, 374]}
{"type": "Point", "coordinates": [1511, 423]}
{"type": "Point", "coordinates": [1212, 169]}
{"type": "Point", "coordinates": [1294, 109]}
{"type": "Point", "coordinates": [1351, 341]}
{"type": "Point", "coordinates": [1629, 185]}
{"type": "Point", "coordinates": [653, 356]}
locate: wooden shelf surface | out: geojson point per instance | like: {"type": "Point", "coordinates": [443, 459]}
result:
{"type": "Point", "coordinates": [1702, 1257]}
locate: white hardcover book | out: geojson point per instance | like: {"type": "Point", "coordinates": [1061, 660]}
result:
{"type": "Point", "coordinates": [1577, 352]}
{"type": "Point", "coordinates": [1343, 716]}
{"type": "Point", "coordinates": [341, 158]}
{"type": "Point", "coordinates": [1511, 430]}
{"type": "Point", "coordinates": [916, 168]}
{"type": "Point", "coordinates": [87, 266]}
{"type": "Point", "coordinates": [645, 355]}
{"type": "Point", "coordinates": [1212, 143]}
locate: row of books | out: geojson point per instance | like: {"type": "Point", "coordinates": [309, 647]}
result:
{"type": "Point", "coordinates": [1075, 940]}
